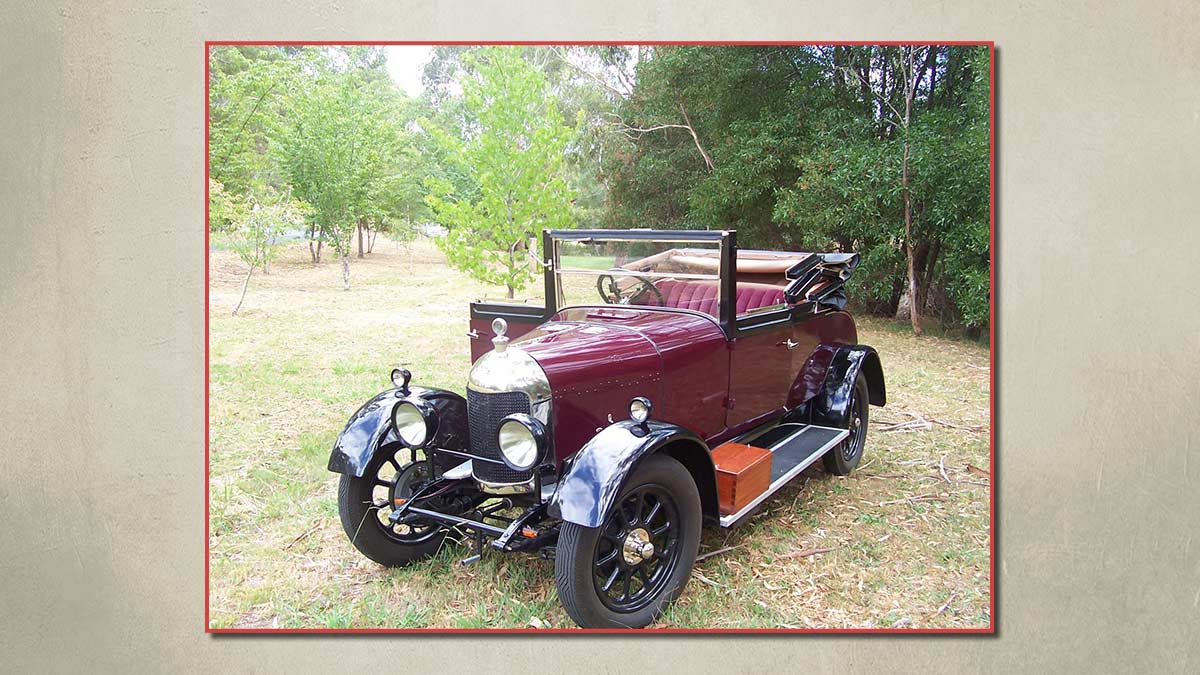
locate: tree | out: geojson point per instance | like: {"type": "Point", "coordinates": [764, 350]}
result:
{"type": "Point", "coordinates": [259, 225]}
{"type": "Point", "coordinates": [879, 150]}
{"type": "Point", "coordinates": [512, 148]}
{"type": "Point", "coordinates": [334, 145]}
{"type": "Point", "coordinates": [246, 94]}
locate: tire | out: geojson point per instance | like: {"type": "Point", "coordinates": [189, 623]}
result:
{"type": "Point", "coordinates": [672, 528]}
{"type": "Point", "coordinates": [364, 517]}
{"type": "Point", "coordinates": [841, 460]}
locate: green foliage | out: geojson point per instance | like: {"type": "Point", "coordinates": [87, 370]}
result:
{"type": "Point", "coordinates": [806, 154]}
{"type": "Point", "coordinates": [225, 208]}
{"type": "Point", "coordinates": [796, 147]}
{"type": "Point", "coordinates": [246, 94]}
{"type": "Point", "coordinates": [259, 224]}
{"type": "Point", "coordinates": [511, 147]}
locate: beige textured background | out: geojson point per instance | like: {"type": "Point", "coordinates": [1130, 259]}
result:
{"type": "Point", "coordinates": [102, 333]}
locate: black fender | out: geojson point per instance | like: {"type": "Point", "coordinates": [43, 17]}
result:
{"type": "Point", "coordinates": [370, 428]}
{"type": "Point", "coordinates": [596, 474]}
{"type": "Point", "coordinates": [830, 407]}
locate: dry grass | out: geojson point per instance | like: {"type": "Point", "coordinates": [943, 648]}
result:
{"type": "Point", "coordinates": [903, 542]}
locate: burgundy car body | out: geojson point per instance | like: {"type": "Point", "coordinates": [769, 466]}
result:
{"type": "Point", "coordinates": [715, 344]}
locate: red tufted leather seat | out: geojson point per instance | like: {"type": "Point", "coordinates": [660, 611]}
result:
{"type": "Point", "coordinates": [703, 296]}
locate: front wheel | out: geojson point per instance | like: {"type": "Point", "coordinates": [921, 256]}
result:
{"type": "Point", "coordinates": [625, 572]}
{"type": "Point", "coordinates": [364, 505]}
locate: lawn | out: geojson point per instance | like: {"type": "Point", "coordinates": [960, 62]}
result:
{"type": "Point", "coordinates": [902, 542]}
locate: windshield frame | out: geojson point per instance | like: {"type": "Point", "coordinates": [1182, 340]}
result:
{"type": "Point", "coordinates": [726, 239]}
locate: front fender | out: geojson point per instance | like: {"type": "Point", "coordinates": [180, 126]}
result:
{"type": "Point", "coordinates": [590, 486]}
{"type": "Point", "coordinates": [831, 406]}
{"type": "Point", "coordinates": [371, 427]}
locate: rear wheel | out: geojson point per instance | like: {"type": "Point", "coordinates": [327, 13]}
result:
{"type": "Point", "coordinates": [842, 459]}
{"type": "Point", "coordinates": [365, 504]}
{"type": "Point", "coordinates": [623, 573]}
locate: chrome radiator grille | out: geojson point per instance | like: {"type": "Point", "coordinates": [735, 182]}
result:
{"type": "Point", "coordinates": [484, 412]}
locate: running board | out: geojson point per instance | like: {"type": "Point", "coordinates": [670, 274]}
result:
{"type": "Point", "coordinates": [794, 448]}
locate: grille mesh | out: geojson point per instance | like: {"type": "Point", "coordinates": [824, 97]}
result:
{"type": "Point", "coordinates": [484, 412]}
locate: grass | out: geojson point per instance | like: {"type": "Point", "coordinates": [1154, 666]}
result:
{"type": "Point", "coordinates": [907, 532]}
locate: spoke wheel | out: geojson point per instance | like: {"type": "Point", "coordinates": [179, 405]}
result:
{"type": "Point", "coordinates": [853, 446]}
{"type": "Point", "coordinates": [637, 549]}
{"type": "Point", "coordinates": [842, 459]}
{"type": "Point", "coordinates": [365, 504]}
{"type": "Point", "coordinates": [399, 482]}
{"type": "Point", "coordinates": [625, 571]}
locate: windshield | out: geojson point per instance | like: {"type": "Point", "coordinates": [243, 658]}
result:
{"type": "Point", "coordinates": [642, 273]}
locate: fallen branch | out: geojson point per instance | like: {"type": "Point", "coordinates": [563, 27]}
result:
{"type": "Point", "coordinates": [975, 429]}
{"type": "Point", "coordinates": [806, 553]}
{"type": "Point", "coordinates": [716, 552]}
{"type": "Point", "coordinates": [918, 423]}
{"type": "Point", "coordinates": [310, 530]}
{"type": "Point", "coordinates": [976, 470]}
{"type": "Point", "coordinates": [914, 498]}
{"type": "Point", "coordinates": [942, 468]}
{"type": "Point", "coordinates": [943, 607]}
{"type": "Point", "coordinates": [706, 580]}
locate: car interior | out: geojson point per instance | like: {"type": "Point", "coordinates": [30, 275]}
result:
{"type": "Point", "coordinates": [764, 280]}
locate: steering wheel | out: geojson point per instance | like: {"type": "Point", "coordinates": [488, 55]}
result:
{"type": "Point", "coordinates": [611, 293]}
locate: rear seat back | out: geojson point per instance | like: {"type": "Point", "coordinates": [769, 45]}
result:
{"type": "Point", "coordinates": [704, 296]}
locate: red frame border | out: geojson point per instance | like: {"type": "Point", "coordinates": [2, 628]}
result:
{"type": "Point", "coordinates": [991, 627]}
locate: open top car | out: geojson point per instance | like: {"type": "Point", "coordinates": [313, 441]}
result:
{"type": "Point", "coordinates": [669, 381]}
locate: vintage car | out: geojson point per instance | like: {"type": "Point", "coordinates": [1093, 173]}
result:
{"type": "Point", "coordinates": [669, 381]}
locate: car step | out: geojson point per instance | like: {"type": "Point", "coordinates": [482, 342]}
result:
{"type": "Point", "coordinates": [794, 447]}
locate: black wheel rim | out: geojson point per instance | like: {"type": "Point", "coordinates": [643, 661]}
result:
{"type": "Point", "coordinates": [397, 474]}
{"type": "Point", "coordinates": [626, 580]}
{"type": "Point", "coordinates": [854, 442]}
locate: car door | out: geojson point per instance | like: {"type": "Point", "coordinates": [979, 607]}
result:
{"type": "Point", "coordinates": [520, 318]}
{"type": "Point", "coordinates": [761, 368]}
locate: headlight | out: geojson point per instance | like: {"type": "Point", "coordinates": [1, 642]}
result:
{"type": "Point", "coordinates": [400, 378]}
{"type": "Point", "coordinates": [522, 441]}
{"type": "Point", "coordinates": [639, 409]}
{"type": "Point", "coordinates": [415, 422]}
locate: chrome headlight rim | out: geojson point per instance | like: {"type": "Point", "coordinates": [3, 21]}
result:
{"type": "Point", "coordinates": [419, 417]}
{"type": "Point", "coordinates": [640, 409]}
{"type": "Point", "coordinates": [522, 441]}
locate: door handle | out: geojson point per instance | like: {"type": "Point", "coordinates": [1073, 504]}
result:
{"type": "Point", "coordinates": [788, 343]}
{"type": "Point", "coordinates": [473, 334]}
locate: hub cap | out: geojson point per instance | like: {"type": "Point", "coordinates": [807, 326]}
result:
{"type": "Point", "coordinates": [637, 547]}
{"type": "Point", "coordinates": [854, 441]}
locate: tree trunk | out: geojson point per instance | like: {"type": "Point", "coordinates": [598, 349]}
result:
{"type": "Point", "coordinates": [511, 265]}
{"type": "Point", "coordinates": [930, 263]}
{"type": "Point", "coordinates": [314, 251]}
{"type": "Point", "coordinates": [913, 297]}
{"type": "Point", "coordinates": [242, 297]}
{"type": "Point", "coordinates": [346, 271]}
{"type": "Point", "coordinates": [371, 234]}
{"type": "Point", "coordinates": [360, 238]}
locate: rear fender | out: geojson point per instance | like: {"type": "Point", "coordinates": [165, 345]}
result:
{"type": "Point", "coordinates": [370, 428]}
{"type": "Point", "coordinates": [594, 476]}
{"type": "Point", "coordinates": [832, 405]}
